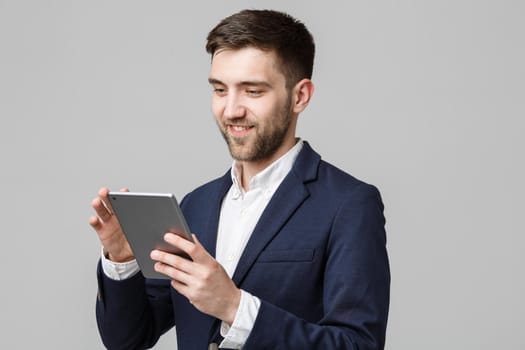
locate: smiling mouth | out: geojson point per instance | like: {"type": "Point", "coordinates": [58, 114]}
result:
{"type": "Point", "coordinates": [240, 127]}
{"type": "Point", "coordinates": [239, 130]}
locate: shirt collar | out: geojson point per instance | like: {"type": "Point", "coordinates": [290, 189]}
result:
{"type": "Point", "coordinates": [269, 178]}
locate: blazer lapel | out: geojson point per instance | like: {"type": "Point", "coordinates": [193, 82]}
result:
{"type": "Point", "coordinates": [288, 197]}
{"type": "Point", "coordinates": [209, 240]}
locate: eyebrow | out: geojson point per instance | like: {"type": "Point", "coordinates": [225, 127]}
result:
{"type": "Point", "coordinates": [242, 83]}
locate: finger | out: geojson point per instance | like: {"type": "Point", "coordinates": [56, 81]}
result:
{"type": "Point", "coordinates": [182, 288]}
{"type": "Point", "coordinates": [101, 210]}
{"type": "Point", "coordinates": [195, 250]}
{"type": "Point", "coordinates": [94, 221]}
{"type": "Point", "coordinates": [172, 260]}
{"type": "Point", "coordinates": [200, 248]}
{"type": "Point", "coordinates": [173, 273]}
{"type": "Point", "coordinates": [103, 195]}
{"type": "Point", "coordinates": [196, 240]}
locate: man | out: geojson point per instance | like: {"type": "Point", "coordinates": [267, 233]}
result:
{"type": "Point", "coordinates": [289, 251]}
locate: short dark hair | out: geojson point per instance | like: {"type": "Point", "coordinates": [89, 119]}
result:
{"type": "Point", "coordinates": [270, 31]}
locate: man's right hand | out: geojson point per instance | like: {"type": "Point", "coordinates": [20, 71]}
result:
{"type": "Point", "coordinates": [108, 228]}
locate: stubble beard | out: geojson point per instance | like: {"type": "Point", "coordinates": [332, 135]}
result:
{"type": "Point", "coordinates": [266, 142]}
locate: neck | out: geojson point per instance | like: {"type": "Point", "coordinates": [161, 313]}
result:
{"type": "Point", "coordinates": [248, 169]}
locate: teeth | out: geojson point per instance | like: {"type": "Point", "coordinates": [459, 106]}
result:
{"type": "Point", "coordinates": [239, 128]}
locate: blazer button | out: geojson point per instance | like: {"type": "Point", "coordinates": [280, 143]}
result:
{"type": "Point", "coordinates": [213, 346]}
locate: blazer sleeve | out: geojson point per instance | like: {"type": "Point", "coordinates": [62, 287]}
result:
{"type": "Point", "coordinates": [355, 289]}
{"type": "Point", "coordinates": [132, 313]}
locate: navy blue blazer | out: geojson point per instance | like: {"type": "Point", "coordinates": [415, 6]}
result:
{"type": "Point", "coordinates": [317, 259]}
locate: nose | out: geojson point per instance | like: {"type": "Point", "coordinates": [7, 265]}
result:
{"type": "Point", "coordinates": [234, 107]}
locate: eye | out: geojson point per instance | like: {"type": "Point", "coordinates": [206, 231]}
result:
{"type": "Point", "coordinates": [254, 92]}
{"type": "Point", "coordinates": [219, 91]}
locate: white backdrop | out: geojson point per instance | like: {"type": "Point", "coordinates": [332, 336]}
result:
{"type": "Point", "coordinates": [424, 99]}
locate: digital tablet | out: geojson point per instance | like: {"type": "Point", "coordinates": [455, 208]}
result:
{"type": "Point", "coordinates": [145, 218]}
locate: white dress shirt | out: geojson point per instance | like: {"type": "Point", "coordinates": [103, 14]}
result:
{"type": "Point", "coordinates": [240, 212]}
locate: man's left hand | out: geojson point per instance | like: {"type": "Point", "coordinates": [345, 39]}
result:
{"type": "Point", "coordinates": [203, 281]}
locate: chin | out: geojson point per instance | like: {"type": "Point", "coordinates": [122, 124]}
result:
{"type": "Point", "coordinates": [241, 156]}
{"type": "Point", "coordinates": [240, 152]}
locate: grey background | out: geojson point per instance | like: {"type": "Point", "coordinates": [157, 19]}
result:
{"type": "Point", "coordinates": [424, 99]}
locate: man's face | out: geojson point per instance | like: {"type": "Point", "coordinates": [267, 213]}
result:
{"type": "Point", "coordinates": [251, 104]}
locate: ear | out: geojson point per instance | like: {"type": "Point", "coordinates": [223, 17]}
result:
{"type": "Point", "coordinates": [302, 93]}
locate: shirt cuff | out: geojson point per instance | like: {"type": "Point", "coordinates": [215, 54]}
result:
{"type": "Point", "coordinates": [235, 336]}
{"type": "Point", "coordinates": [118, 271]}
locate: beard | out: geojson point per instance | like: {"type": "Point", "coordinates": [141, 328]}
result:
{"type": "Point", "coordinates": [268, 137]}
